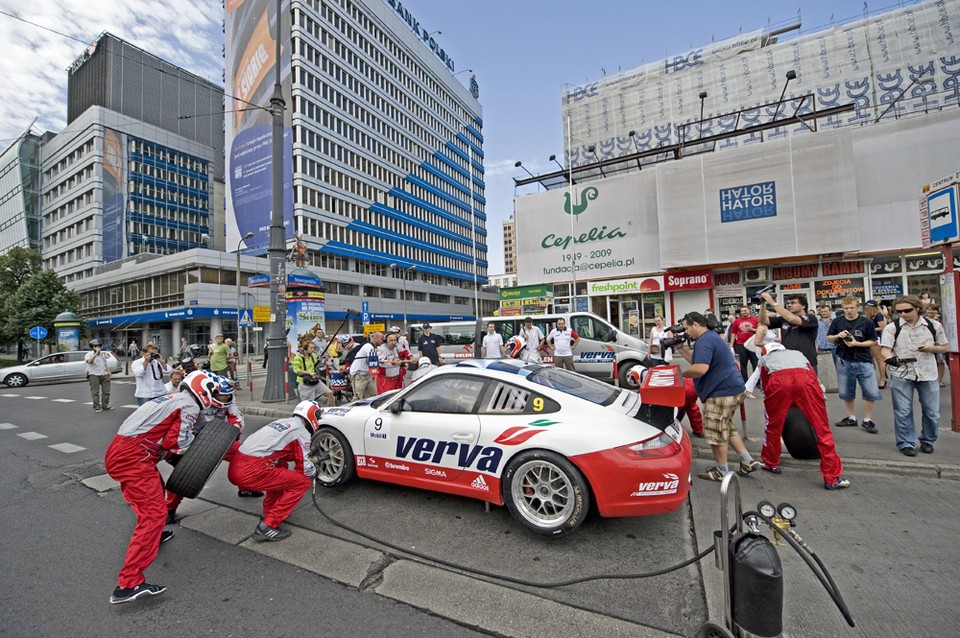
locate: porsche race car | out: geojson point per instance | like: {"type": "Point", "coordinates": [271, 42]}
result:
{"type": "Point", "coordinates": [546, 442]}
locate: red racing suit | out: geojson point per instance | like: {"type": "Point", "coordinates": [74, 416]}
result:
{"type": "Point", "coordinates": [261, 464]}
{"type": "Point", "coordinates": [789, 380]}
{"type": "Point", "coordinates": [157, 428]}
{"type": "Point", "coordinates": [690, 407]}
{"type": "Point", "coordinates": [234, 417]}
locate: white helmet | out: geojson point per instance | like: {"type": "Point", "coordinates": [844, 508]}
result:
{"type": "Point", "coordinates": [773, 346]}
{"type": "Point", "coordinates": [515, 346]}
{"type": "Point", "coordinates": [203, 385]}
{"type": "Point", "coordinates": [310, 412]}
{"type": "Point", "coordinates": [424, 361]}
{"type": "Point", "coordinates": [636, 374]}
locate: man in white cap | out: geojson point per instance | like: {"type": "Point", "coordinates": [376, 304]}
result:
{"type": "Point", "coordinates": [789, 380]}
{"type": "Point", "coordinates": [424, 367]}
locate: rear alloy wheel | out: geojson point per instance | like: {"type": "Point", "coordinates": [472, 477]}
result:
{"type": "Point", "coordinates": [16, 380]}
{"type": "Point", "coordinates": [545, 492]}
{"type": "Point", "coordinates": [334, 457]}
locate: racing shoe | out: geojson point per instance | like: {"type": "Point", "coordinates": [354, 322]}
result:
{"type": "Point", "coordinates": [839, 484]}
{"type": "Point", "coordinates": [172, 517]}
{"type": "Point", "coordinates": [249, 494]}
{"type": "Point", "coordinates": [128, 594]}
{"type": "Point", "coordinates": [772, 470]}
{"type": "Point", "coordinates": [748, 468]}
{"type": "Point", "coordinates": [711, 474]}
{"type": "Point", "coordinates": [266, 533]}
{"type": "Point", "coordinates": [165, 535]}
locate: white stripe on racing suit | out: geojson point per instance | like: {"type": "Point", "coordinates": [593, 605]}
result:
{"type": "Point", "coordinates": [282, 441]}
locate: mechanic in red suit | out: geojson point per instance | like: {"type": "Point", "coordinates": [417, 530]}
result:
{"type": "Point", "coordinates": [262, 464]}
{"type": "Point", "coordinates": [789, 380]}
{"type": "Point", "coordinates": [690, 407]}
{"type": "Point", "coordinates": [157, 428]}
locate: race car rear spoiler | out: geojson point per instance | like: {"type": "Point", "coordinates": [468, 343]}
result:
{"type": "Point", "coordinates": [663, 385]}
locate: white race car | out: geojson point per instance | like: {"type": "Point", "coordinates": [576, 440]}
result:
{"type": "Point", "coordinates": [543, 441]}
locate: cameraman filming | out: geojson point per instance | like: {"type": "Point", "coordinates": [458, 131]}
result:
{"type": "Point", "coordinates": [720, 387]}
{"type": "Point", "coordinates": [149, 370]}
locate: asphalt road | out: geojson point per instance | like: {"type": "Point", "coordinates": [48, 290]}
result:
{"type": "Point", "coordinates": [62, 545]}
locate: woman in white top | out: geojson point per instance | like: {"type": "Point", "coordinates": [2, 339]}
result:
{"type": "Point", "coordinates": [658, 332]}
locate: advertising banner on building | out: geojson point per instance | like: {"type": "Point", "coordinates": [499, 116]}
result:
{"type": "Point", "coordinates": [630, 286]}
{"type": "Point", "coordinates": [251, 30]}
{"type": "Point", "coordinates": [305, 314]}
{"type": "Point", "coordinates": [609, 229]}
{"type": "Point", "coordinates": [114, 192]}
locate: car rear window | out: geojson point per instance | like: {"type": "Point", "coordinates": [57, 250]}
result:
{"type": "Point", "coordinates": [574, 384]}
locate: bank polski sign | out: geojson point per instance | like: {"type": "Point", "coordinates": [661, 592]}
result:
{"type": "Point", "coordinates": [604, 228]}
{"type": "Point", "coordinates": [751, 201]}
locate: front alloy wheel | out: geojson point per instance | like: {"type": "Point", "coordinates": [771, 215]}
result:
{"type": "Point", "coordinates": [333, 457]}
{"type": "Point", "coordinates": [546, 493]}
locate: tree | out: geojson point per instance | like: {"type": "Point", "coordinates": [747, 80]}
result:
{"type": "Point", "coordinates": [16, 268]}
{"type": "Point", "coordinates": [36, 303]}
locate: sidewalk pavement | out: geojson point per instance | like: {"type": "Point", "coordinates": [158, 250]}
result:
{"type": "Point", "coordinates": [859, 450]}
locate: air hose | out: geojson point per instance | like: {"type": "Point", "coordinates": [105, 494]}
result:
{"type": "Point", "coordinates": [424, 558]}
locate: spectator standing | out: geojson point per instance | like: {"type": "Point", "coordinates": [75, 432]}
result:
{"type": "Point", "coordinates": [219, 352]}
{"type": "Point", "coordinates": [788, 380]}
{"type": "Point", "coordinates": [798, 330]}
{"type": "Point", "coordinates": [364, 366]}
{"type": "Point", "coordinates": [712, 322]}
{"type": "Point", "coordinates": [932, 311]}
{"type": "Point", "coordinates": [492, 345]}
{"type": "Point", "coordinates": [720, 387]}
{"type": "Point", "coordinates": [563, 340]}
{"type": "Point", "coordinates": [306, 366]}
{"type": "Point", "coordinates": [872, 312]}
{"type": "Point", "coordinates": [824, 345]}
{"type": "Point", "coordinates": [911, 336]}
{"type": "Point", "coordinates": [98, 374]}
{"type": "Point", "coordinates": [742, 330]}
{"type": "Point", "coordinates": [657, 332]}
{"type": "Point", "coordinates": [148, 371]}
{"type": "Point", "coordinates": [133, 350]}
{"type": "Point", "coordinates": [184, 349]}
{"type": "Point", "coordinates": [231, 360]}
{"type": "Point", "coordinates": [853, 334]}
{"type": "Point", "coordinates": [320, 343]}
{"type": "Point", "coordinates": [429, 345]}
{"type": "Point", "coordinates": [533, 338]}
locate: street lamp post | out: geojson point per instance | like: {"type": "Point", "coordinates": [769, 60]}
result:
{"type": "Point", "coordinates": [242, 239]}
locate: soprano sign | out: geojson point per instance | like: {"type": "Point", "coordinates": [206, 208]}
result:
{"type": "Point", "coordinates": [688, 280]}
{"type": "Point", "coordinates": [752, 201]}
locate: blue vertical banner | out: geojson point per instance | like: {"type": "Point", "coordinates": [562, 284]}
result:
{"type": "Point", "coordinates": [114, 191]}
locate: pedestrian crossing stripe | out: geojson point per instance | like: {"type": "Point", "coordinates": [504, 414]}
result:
{"type": "Point", "coordinates": [67, 448]}
{"type": "Point", "coordinates": [63, 400]}
{"type": "Point", "coordinates": [7, 426]}
{"type": "Point", "coordinates": [32, 436]}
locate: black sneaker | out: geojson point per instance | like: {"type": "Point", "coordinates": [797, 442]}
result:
{"type": "Point", "coordinates": [249, 494]}
{"type": "Point", "coordinates": [847, 422]}
{"type": "Point", "coordinates": [908, 451]}
{"type": "Point", "coordinates": [840, 484]}
{"type": "Point", "coordinates": [926, 448]}
{"type": "Point", "coordinates": [165, 535]}
{"type": "Point", "coordinates": [712, 474]}
{"type": "Point", "coordinates": [108, 407]}
{"type": "Point", "coordinates": [271, 534]}
{"type": "Point", "coordinates": [772, 470]}
{"type": "Point", "coordinates": [748, 468]}
{"type": "Point", "coordinates": [127, 594]}
{"type": "Point", "coordinates": [869, 426]}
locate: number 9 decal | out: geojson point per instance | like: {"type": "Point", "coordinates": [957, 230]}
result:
{"type": "Point", "coordinates": [538, 404]}
{"type": "Point", "coordinates": [378, 424]}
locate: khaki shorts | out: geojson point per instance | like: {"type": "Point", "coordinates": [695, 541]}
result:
{"type": "Point", "coordinates": [718, 418]}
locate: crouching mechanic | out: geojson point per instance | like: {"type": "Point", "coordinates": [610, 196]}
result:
{"type": "Point", "coordinates": [159, 427]}
{"type": "Point", "coordinates": [222, 406]}
{"type": "Point", "coordinates": [261, 464]}
{"type": "Point", "coordinates": [789, 380]}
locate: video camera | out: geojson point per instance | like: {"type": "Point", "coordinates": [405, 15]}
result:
{"type": "Point", "coordinates": [679, 337]}
{"type": "Point", "coordinates": [758, 297]}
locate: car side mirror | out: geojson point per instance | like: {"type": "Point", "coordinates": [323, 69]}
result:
{"type": "Point", "coordinates": [397, 406]}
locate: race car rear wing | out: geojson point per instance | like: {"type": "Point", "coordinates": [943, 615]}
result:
{"type": "Point", "coordinates": [663, 385]}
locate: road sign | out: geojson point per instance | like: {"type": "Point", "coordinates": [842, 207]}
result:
{"type": "Point", "coordinates": [244, 320]}
{"type": "Point", "coordinates": [365, 307]}
{"type": "Point", "coordinates": [373, 327]}
{"type": "Point", "coordinates": [38, 332]}
{"type": "Point", "coordinates": [366, 318]}
{"type": "Point", "coordinates": [261, 314]}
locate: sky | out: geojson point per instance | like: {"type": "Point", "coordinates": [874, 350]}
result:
{"type": "Point", "coordinates": [523, 52]}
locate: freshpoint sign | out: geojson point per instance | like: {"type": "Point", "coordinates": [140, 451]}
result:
{"type": "Point", "coordinates": [634, 285]}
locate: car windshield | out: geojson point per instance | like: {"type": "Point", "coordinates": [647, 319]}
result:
{"type": "Point", "coordinates": [572, 383]}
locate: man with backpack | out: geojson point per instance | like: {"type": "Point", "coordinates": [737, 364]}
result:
{"type": "Point", "coordinates": [910, 345]}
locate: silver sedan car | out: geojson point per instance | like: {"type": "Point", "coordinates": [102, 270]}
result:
{"type": "Point", "coordinates": [62, 366]}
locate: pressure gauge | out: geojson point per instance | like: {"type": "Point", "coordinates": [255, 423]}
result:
{"type": "Point", "coordinates": [787, 511]}
{"type": "Point", "coordinates": [767, 509]}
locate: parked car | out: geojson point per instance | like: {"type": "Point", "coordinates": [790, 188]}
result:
{"type": "Point", "coordinates": [62, 366]}
{"type": "Point", "coordinates": [543, 441]}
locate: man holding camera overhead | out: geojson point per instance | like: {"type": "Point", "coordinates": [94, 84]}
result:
{"type": "Point", "coordinates": [149, 370]}
{"type": "Point", "coordinates": [853, 334]}
{"type": "Point", "coordinates": [798, 329]}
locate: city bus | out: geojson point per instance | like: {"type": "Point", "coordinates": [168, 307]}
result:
{"type": "Point", "coordinates": [600, 346]}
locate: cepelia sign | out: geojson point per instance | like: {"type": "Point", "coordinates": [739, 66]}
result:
{"type": "Point", "coordinates": [751, 201]}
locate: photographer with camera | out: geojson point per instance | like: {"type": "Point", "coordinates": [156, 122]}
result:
{"type": "Point", "coordinates": [720, 388]}
{"type": "Point", "coordinates": [305, 366]}
{"type": "Point", "coordinates": [910, 344]}
{"type": "Point", "coordinates": [99, 376]}
{"type": "Point", "coordinates": [798, 330]}
{"type": "Point", "coordinates": [853, 334]}
{"type": "Point", "coordinates": [149, 371]}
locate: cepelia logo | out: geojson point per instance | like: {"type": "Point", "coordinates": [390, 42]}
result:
{"type": "Point", "coordinates": [596, 233]}
{"type": "Point", "coordinates": [586, 195]}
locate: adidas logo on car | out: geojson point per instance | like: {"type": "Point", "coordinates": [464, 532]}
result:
{"type": "Point", "coordinates": [480, 484]}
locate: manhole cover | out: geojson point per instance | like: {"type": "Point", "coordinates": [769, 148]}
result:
{"type": "Point", "coordinates": [84, 472]}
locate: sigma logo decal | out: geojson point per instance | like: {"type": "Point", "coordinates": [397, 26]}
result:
{"type": "Point", "coordinates": [485, 459]}
{"type": "Point", "coordinates": [659, 488]}
{"type": "Point", "coordinates": [377, 429]}
{"type": "Point", "coordinates": [432, 471]}
{"type": "Point", "coordinates": [480, 484]}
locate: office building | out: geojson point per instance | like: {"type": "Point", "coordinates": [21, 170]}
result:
{"type": "Point", "coordinates": [20, 193]}
{"type": "Point", "coordinates": [510, 246]}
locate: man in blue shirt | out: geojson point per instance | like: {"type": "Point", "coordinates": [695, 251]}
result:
{"type": "Point", "coordinates": [720, 387]}
{"type": "Point", "coordinates": [824, 346]}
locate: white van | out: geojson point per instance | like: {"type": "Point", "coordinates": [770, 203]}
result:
{"type": "Point", "coordinates": [600, 345]}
